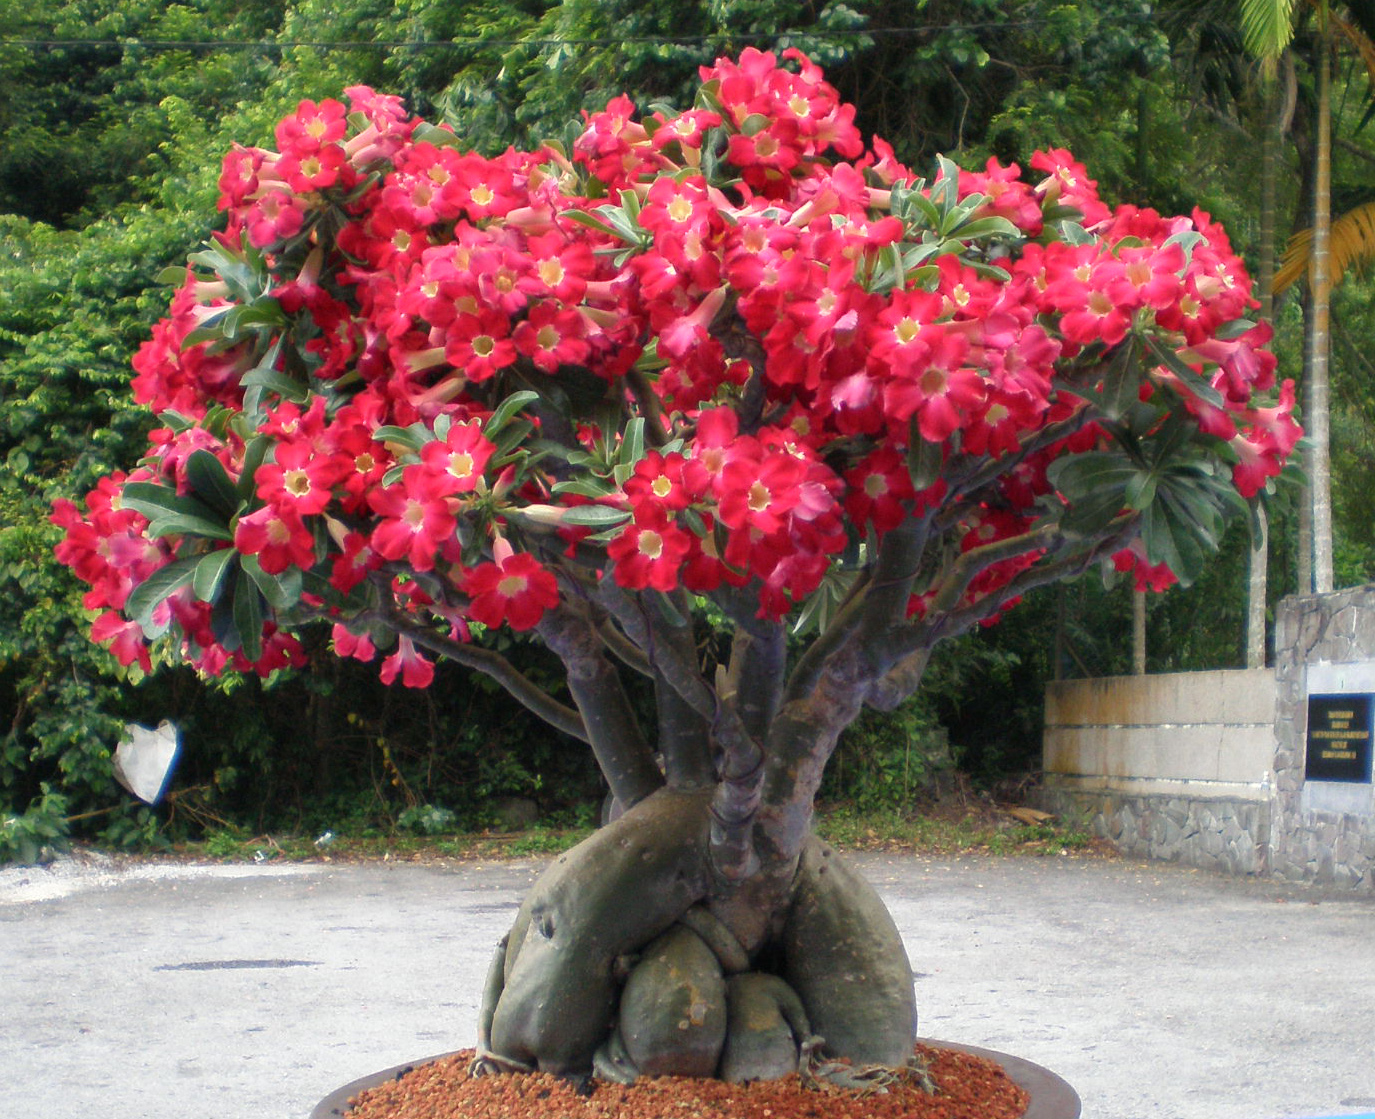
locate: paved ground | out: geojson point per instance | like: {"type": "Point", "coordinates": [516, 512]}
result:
{"type": "Point", "coordinates": [158, 992]}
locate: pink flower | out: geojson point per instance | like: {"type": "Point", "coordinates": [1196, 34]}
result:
{"type": "Point", "coordinates": [125, 639]}
{"type": "Point", "coordinates": [415, 670]}
{"type": "Point", "coordinates": [359, 646]}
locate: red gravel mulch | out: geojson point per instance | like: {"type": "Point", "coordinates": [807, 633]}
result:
{"type": "Point", "coordinates": [968, 1087]}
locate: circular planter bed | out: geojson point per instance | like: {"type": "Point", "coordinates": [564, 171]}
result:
{"type": "Point", "coordinates": [974, 1084]}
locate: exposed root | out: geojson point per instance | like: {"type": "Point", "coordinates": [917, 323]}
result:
{"type": "Point", "coordinates": [487, 1063]}
{"type": "Point", "coordinates": [822, 1075]}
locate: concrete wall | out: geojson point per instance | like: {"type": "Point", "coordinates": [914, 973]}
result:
{"type": "Point", "coordinates": [1324, 831]}
{"type": "Point", "coordinates": [1176, 766]}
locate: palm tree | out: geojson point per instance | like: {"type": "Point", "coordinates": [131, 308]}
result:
{"type": "Point", "coordinates": [1268, 27]}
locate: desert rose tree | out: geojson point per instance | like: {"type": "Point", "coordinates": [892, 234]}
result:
{"type": "Point", "coordinates": [721, 397]}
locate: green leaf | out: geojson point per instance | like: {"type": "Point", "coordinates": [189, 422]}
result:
{"type": "Point", "coordinates": [1140, 490]}
{"type": "Point", "coordinates": [288, 388]}
{"type": "Point", "coordinates": [1094, 484]}
{"type": "Point", "coordinates": [180, 524]}
{"type": "Point", "coordinates": [153, 500]}
{"type": "Point", "coordinates": [170, 513]}
{"type": "Point", "coordinates": [924, 459]}
{"type": "Point", "coordinates": [1122, 382]}
{"type": "Point", "coordinates": [248, 615]}
{"type": "Point", "coordinates": [1191, 379]}
{"type": "Point", "coordinates": [210, 481]}
{"type": "Point", "coordinates": [407, 437]}
{"type": "Point", "coordinates": [210, 572]}
{"type": "Point", "coordinates": [281, 591]}
{"type": "Point", "coordinates": [506, 409]}
{"type": "Point", "coordinates": [163, 582]}
{"type": "Point", "coordinates": [595, 516]}
{"type": "Point", "coordinates": [1267, 27]}
{"type": "Point", "coordinates": [582, 488]}
{"type": "Point", "coordinates": [582, 217]}
{"type": "Point", "coordinates": [255, 452]}
{"type": "Point", "coordinates": [927, 209]}
{"type": "Point", "coordinates": [981, 228]}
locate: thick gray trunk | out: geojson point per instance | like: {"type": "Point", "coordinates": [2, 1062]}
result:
{"type": "Point", "coordinates": [626, 957]}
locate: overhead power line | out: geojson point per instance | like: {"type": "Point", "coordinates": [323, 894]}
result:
{"type": "Point", "coordinates": [821, 34]}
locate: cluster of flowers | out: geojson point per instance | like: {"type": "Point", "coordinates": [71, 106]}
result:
{"type": "Point", "coordinates": [741, 250]}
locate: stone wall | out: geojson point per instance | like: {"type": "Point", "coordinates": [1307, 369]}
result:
{"type": "Point", "coordinates": [1324, 831]}
{"type": "Point", "coordinates": [1174, 767]}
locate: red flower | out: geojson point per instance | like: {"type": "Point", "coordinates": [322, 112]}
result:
{"type": "Point", "coordinates": [941, 400]}
{"type": "Point", "coordinates": [552, 336]}
{"type": "Point", "coordinates": [359, 646]}
{"type": "Point", "coordinates": [311, 127]}
{"type": "Point", "coordinates": [278, 537]}
{"type": "Point", "coordinates": [299, 479]}
{"type": "Point", "coordinates": [649, 552]}
{"type": "Point", "coordinates": [760, 495]}
{"type": "Point", "coordinates": [880, 487]}
{"type": "Point", "coordinates": [416, 520]}
{"type": "Point", "coordinates": [276, 216]}
{"type": "Point", "coordinates": [478, 345]}
{"type": "Point", "coordinates": [516, 591]}
{"type": "Point", "coordinates": [457, 461]}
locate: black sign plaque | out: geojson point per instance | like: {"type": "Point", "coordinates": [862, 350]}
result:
{"type": "Point", "coordinates": [1339, 743]}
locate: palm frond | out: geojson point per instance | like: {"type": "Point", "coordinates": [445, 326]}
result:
{"type": "Point", "coordinates": [1267, 26]}
{"type": "Point", "coordinates": [1352, 247]}
{"type": "Point", "coordinates": [1360, 40]}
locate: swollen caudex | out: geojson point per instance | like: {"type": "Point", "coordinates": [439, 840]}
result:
{"type": "Point", "coordinates": [587, 982]}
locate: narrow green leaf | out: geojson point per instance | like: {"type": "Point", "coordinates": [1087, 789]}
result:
{"type": "Point", "coordinates": [633, 441]}
{"type": "Point", "coordinates": [595, 516]}
{"type": "Point", "coordinates": [288, 388]}
{"type": "Point", "coordinates": [1140, 490]}
{"type": "Point", "coordinates": [1191, 379]}
{"type": "Point", "coordinates": [927, 209]}
{"type": "Point", "coordinates": [1122, 382]}
{"type": "Point", "coordinates": [924, 459]}
{"type": "Point", "coordinates": [210, 572]}
{"type": "Point", "coordinates": [582, 488]}
{"type": "Point", "coordinates": [582, 217]}
{"type": "Point", "coordinates": [506, 409]}
{"type": "Point", "coordinates": [981, 228]}
{"type": "Point", "coordinates": [254, 453]}
{"type": "Point", "coordinates": [248, 615]}
{"type": "Point", "coordinates": [407, 437]}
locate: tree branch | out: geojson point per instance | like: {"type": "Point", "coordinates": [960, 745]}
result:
{"type": "Point", "coordinates": [739, 761]}
{"type": "Point", "coordinates": [491, 664]}
{"type": "Point", "coordinates": [758, 660]}
{"type": "Point", "coordinates": [623, 755]}
{"type": "Point", "coordinates": [913, 647]}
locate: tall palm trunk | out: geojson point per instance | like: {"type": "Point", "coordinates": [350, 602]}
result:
{"type": "Point", "coordinates": [1317, 416]}
{"type": "Point", "coordinates": [1258, 582]}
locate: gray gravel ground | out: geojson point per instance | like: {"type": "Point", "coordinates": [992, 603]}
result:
{"type": "Point", "coordinates": [157, 991]}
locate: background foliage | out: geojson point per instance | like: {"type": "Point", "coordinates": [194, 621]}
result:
{"type": "Point", "coordinates": [110, 140]}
